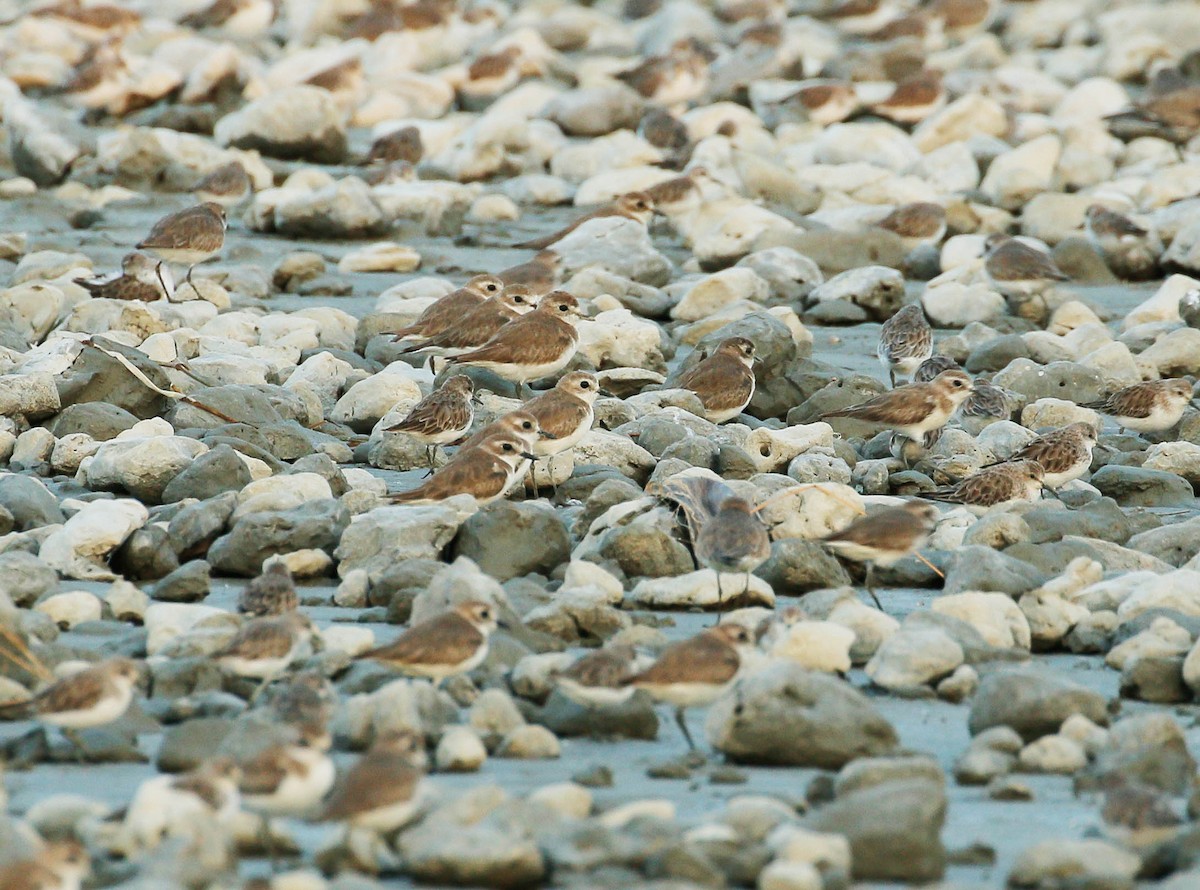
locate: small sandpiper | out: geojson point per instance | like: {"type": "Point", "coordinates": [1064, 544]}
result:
{"type": "Point", "coordinates": [188, 237]}
{"type": "Point", "coordinates": [452, 643]}
{"type": "Point", "coordinates": [1065, 453]}
{"type": "Point", "coordinates": [442, 417]}
{"type": "Point", "coordinates": [905, 342]}
{"type": "Point", "coordinates": [271, 593]}
{"type": "Point", "coordinates": [1018, 270]}
{"type": "Point", "coordinates": [1003, 483]}
{"type": "Point", "coordinates": [137, 280]}
{"type": "Point", "coordinates": [1151, 406]}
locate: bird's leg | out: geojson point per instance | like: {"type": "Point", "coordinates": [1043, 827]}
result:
{"type": "Point", "coordinates": [679, 718]}
{"type": "Point", "coordinates": [870, 585]}
{"type": "Point", "coordinates": [81, 751]}
{"type": "Point", "coordinates": [161, 280]}
{"type": "Point", "coordinates": [262, 687]}
{"type": "Point", "coordinates": [720, 599]}
{"type": "Point", "coordinates": [892, 374]}
{"type": "Point", "coordinates": [188, 277]}
{"type": "Point", "coordinates": [267, 841]}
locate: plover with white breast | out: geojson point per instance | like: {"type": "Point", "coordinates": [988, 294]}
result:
{"type": "Point", "coordinates": [478, 324]}
{"type": "Point", "coordinates": [600, 678]}
{"type": "Point", "coordinates": [454, 642]}
{"type": "Point", "coordinates": [488, 470]}
{"type": "Point", "coordinates": [188, 237]}
{"type": "Point", "coordinates": [915, 409]}
{"type": "Point", "coordinates": [723, 381]}
{"type": "Point", "coordinates": [905, 342]}
{"type": "Point", "coordinates": [447, 311]}
{"type": "Point", "coordinates": [884, 537]}
{"type": "Point", "coordinates": [636, 206]}
{"type": "Point", "coordinates": [382, 791]}
{"type": "Point", "coordinates": [564, 414]}
{"type": "Point", "coordinates": [442, 417]}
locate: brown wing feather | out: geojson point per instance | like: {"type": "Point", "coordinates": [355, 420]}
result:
{"type": "Point", "coordinates": [190, 228]}
{"type": "Point", "coordinates": [436, 413]}
{"type": "Point", "coordinates": [379, 779]}
{"type": "Point", "coordinates": [902, 406]}
{"type": "Point", "coordinates": [606, 668]}
{"type": "Point", "coordinates": [263, 774]}
{"type": "Point", "coordinates": [724, 380]}
{"type": "Point", "coordinates": [261, 638]}
{"type": "Point", "coordinates": [72, 693]}
{"type": "Point", "coordinates": [444, 639]}
{"type": "Point", "coordinates": [700, 659]}
{"type": "Point", "coordinates": [536, 338]}
{"type": "Point", "coordinates": [556, 413]}
{"type": "Point", "coordinates": [883, 525]}
{"type": "Point", "coordinates": [698, 496]}
{"type": "Point", "coordinates": [457, 477]}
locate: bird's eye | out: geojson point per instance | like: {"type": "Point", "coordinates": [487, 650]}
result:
{"type": "Point", "coordinates": [563, 307]}
{"type": "Point", "coordinates": [507, 447]}
{"type": "Point", "coordinates": [585, 384]}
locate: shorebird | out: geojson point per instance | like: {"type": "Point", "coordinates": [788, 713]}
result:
{"type": "Point", "coordinates": [242, 19]}
{"type": "Point", "coordinates": [694, 672]}
{"type": "Point", "coordinates": [664, 131]}
{"type": "Point", "coordinates": [403, 145]}
{"type": "Point", "coordinates": [961, 18]}
{"type": "Point", "coordinates": [726, 532]}
{"type": "Point", "coordinates": [60, 865]}
{"type": "Point", "coordinates": [442, 417]}
{"type": "Point", "coordinates": [166, 805]}
{"type": "Point", "coordinates": [905, 342]}
{"type": "Point", "coordinates": [264, 648]}
{"type": "Point", "coordinates": [564, 413]}
{"type": "Point", "coordinates": [137, 280]}
{"type": "Point", "coordinates": [478, 324]}
{"type": "Point", "coordinates": [916, 224]}
{"type": "Point", "coordinates": [287, 779]}
{"type": "Point", "coordinates": [1130, 249]}
{"type": "Point", "coordinates": [914, 99]}
{"type": "Point", "coordinates": [519, 423]}
{"type": "Point", "coordinates": [883, 537]}
{"type": "Point", "coordinates": [933, 366]}
{"type": "Point", "coordinates": [915, 409]}
{"type": "Point", "coordinates": [600, 678]}
{"type": "Point", "coordinates": [533, 346]}
{"type": "Point", "coordinates": [824, 102]}
{"type": "Point", "coordinates": [487, 471]}
{"type": "Point", "coordinates": [1148, 407]}
{"type": "Point", "coordinates": [94, 696]}
{"type": "Point", "coordinates": [271, 593]}
{"type": "Point", "coordinates": [1003, 483]}
{"type": "Point", "coordinates": [383, 790]}
{"type": "Point", "coordinates": [909, 451]}
{"type": "Point", "coordinates": [987, 402]}
{"type": "Point", "coordinates": [723, 381]}
{"type": "Point", "coordinates": [188, 237]}
{"type": "Point", "coordinates": [1016, 269]}
{"type": "Point", "coordinates": [679, 76]}
{"type": "Point", "coordinates": [1065, 453]}
{"type": "Point", "coordinates": [228, 185]}
{"type": "Point", "coordinates": [452, 643]}
{"type": "Point", "coordinates": [447, 311]}
{"type": "Point", "coordinates": [862, 16]}
{"type": "Point", "coordinates": [540, 274]}
{"type": "Point", "coordinates": [632, 205]}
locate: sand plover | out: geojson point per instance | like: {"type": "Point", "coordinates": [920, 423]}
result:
{"type": "Point", "coordinates": [487, 471]}
{"type": "Point", "coordinates": [382, 791]}
{"type": "Point", "coordinates": [694, 672]}
{"type": "Point", "coordinates": [915, 409]}
{"type": "Point", "coordinates": [188, 237]}
{"type": "Point", "coordinates": [442, 417]}
{"type": "Point", "coordinates": [1065, 453]}
{"type": "Point", "coordinates": [263, 648]}
{"type": "Point", "coordinates": [1131, 250]}
{"type": "Point", "coordinates": [540, 273]}
{"type": "Point", "coordinates": [478, 324]}
{"type": "Point", "coordinates": [916, 224]}
{"type": "Point", "coordinates": [905, 342]}
{"type": "Point", "coordinates": [600, 678]}
{"type": "Point", "coordinates": [227, 185]}
{"type": "Point", "coordinates": [137, 280]}
{"type": "Point", "coordinates": [633, 205]}
{"type": "Point", "coordinates": [883, 537]}
{"type": "Point", "coordinates": [60, 865]}
{"type": "Point", "coordinates": [723, 381]}
{"type": "Point", "coordinates": [447, 311]}
{"type": "Point", "coordinates": [1003, 483]}
{"type": "Point", "coordinates": [1016, 269]}
{"type": "Point", "coordinates": [565, 413]}
{"type": "Point", "coordinates": [271, 593]}
{"type": "Point", "coordinates": [727, 534]}
{"type": "Point", "coordinates": [454, 642]}
{"type": "Point", "coordinates": [1147, 407]}
{"type": "Point", "coordinates": [94, 696]}
{"type": "Point", "coordinates": [531, 347]}
{"type": "Point", "coordinates": [824, 102]}
{"type": "Point", "coordinates": [914, 99]}
{"type": "Point", "coordinates": [403, 145]}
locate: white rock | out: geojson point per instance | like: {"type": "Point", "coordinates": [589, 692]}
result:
{"type": "Point", "coordinates": [567, 799]}
{"type": "Point", "coordinates": [881, 144]}
{"type": "Point", "coordinates": [70, 450]}
{"type": "Point", "coordinates": [816, 645]}
{"type": "Point", "coordinates": [325, 374]}
{"type": "Point", "coordinates": [393, 391]}
{"type": "Point", "coordinates": [1162, 639]}
{"type": "Point", "coordinates": [141, 466]}
{"type": "Point", "coordinates": [81, 547]}
{"type": "Point", "coordinates": [1180, 458]}
{"type": "Point", "coordinates": [1018, 175]}
{"type": "Point", "coordinates": [126, 601]}
{"type": "Point", "coordinates": [609, 449]}
{"type": "Point", "coordinates": [530, 742]}
{"type": "Point", "coordinates": [786, 875]}
{"type": "Point", "coordinates": [1163, 305]}
{"type": "Point", "coordinates": [386, 256]}
{"type": "Point", "coordinates": [812, 511]}
{"type": "Point", "coordinates": [618, 338]}
{"type": "Point", "coordinates": [699, 588]}
{"type": "Point", "coordinates": [878, 289]}
{"type": "Point", "coordinates": [718, 290]}
{"type": "Point", "coordinates": [1050, 413]}
{"type": "Point", "coordinates": [914, 656]}
{"type": "Point", "coordinates": [281, 493]}
{"type": "Point", "coordinates": [354, 641]}
{"type": "Point", "coordinates": [828, 852]}
{"type": "Point", "coordinates": [69, 609]}
{"type": "Point", "coordinates": [953, 304]}
{"type": "Point", "coordinates": [997, 618]}
{"type": "Point", "coordinates": [385, 536]}
{"type": "Point", "coordinates": [488, 209]}
{"type": "Point", "coordinates": [1093, 861]}
{"type": "Point", "coordinates": [970, 115]}
{"type": "Point", "coordinates": [297, 121]}
{"type": "Point", "coordinates": [621, 246]}
{"type": "Point", "coordinates": [1176, 354]}
{"type": "Point", "coordinates": [1053, 754]}
{"type": "Point", "coordinates": [167, 622]}
{"type": "Point", "coordinates": [459, 751]}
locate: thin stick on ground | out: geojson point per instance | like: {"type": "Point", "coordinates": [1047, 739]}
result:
{"type": "Point", "coordinates": [19, 654]}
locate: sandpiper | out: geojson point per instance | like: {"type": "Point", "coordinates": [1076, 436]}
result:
{"type": "Point", "coordinates": [1065, 453]}
{"type": "Point", "coordinates": [383, 790]}
{"type": "Point", "coordinates": [825, 102]}
{"type": "Point", "coordinates": [694, 672]}
{"type": "Point", "coordinates": [883, 537]}
{"type": "Point", "coordinates": [632, 205]}
{"type": "Point", "coordinates": [1018, 270]}
{"type": "Point", "coordinates": [271, 593]}
{"type": "Point", "coordinates": [1130, 249]}
{"type": "Point", "coordinates": [987, 403]}
{"type": "Point", "coordinates": [915, 409]}
{"type": "Point", "coordinates": [478, 324]}
{"type": "Point", "coordinates": [679, 76]}
{"type": "Point", "coordinates": [600, 678]}
{"type": "Point", "coordinates": [539, 274]}
{"type": "Point", "coordinates": [442, 417]}
{"type": "Point", "coordinates": [454, 642]}
{"type": "Point", "coordinates": [60, 865]}
{"type": "Point", "coordinates": [905, 341]}
{"type": "Point", "coordinates": [564, 413]}
{"type": "Point", "coordinates": [1003, 483]}
{"type": "Point", "coordinates": [94, 696]}
{"type": "Point", "coordinates": [916, 224]}
{"type": "Point", "coordinates": [533, 346]}
{"type": "Point", "coordinates": [243, 19]}
{"type": "Point", "coordinates": [933, 366]}
{"type": "Point", "coordinates": [303, 699]}
{"type": "Point", "coordinates": [487, 471]}
{"type": "Point", "coordinates": [227, 185]}
{"type": "Point", "coordinates": [189, 236]}
{"type": "Point", "coordinates": [723, 381]}
{"type": "Point", "coordinates": [403, 145]}
{"type": "Point", "coordinates": [914, 98]}
{"type": "Point", "coordinates": [137, 280]}
{"type": "Point", "coordinates": [665, 131]}
{"type": "Point", "coordinates": [1148, 407]}
{"type": "Point", "coordinates": [263, 648]}
{"type": "Point", "coordinates": [727, 534]}
{"type": "Point", "coordinates": [447, 311]}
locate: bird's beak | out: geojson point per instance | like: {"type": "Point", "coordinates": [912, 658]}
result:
{"type": "Point", "coordinates": [528, 456]}
{"type": "Point", "coordinates": [545, 435]}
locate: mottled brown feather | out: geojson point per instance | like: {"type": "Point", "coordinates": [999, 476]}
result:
{"type": "Point", "coordinates": [721, 381]}
{"type": "Point", "coordinates": [194, 228]}
{"type": "Point", "coordinates": [444, 639]}
{"type": "Point", "coordinates": [702, 659]}
{"type": "Point", "coordinates": [379, 779]}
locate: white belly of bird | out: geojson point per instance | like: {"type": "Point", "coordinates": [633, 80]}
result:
{"type": "Point", "coordinates": [551, 447]}
{"type": "Point", "coordinates": [521, 373]}
{"type": "Point", "coordinates": [1160, 418]}
{"type": "Point", "coordinates": [594, 696]}
{"type": "Point", "coordinates": [388, 818]}
{"type": "Point", "coordinates": [296, 794]}
{"type": "Point", "coordinates": [184, 256]}
{"type": "Point", "coordinates": [936, 419]}
{"type": "Point", "coordinates": [685, 695]}
{"type": "Point", "coordinates": [106, 711]}
{"type": "Point", "coordinates": [257, 668]}
{"type": "Point", "coordinates": [730, 413]}
{"type": "Point", "coordinates": [439, 672]}
{"type": "Point", "coordinates": [861, 553]}
{"type": "Point", "coordinates": [1058, 480]}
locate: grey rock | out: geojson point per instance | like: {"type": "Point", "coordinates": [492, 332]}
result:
{"type": "Point", "coordinates": [314, 525]}
{"type": "Point", "coordinates": [1052, 558]}
{"type": "Point", "coordinates": [99, 420]}
{"type": "Point", "coordinates": [1101, 518]}
{"type": "Point", "coordinates": [843, 392]}
{"type": "Point", "coordinates": [837, 251]}
{"type": "Point", "coordinates": [1057, 380]}
{"type": "Point", "coordinates": [836, 313]}
{"type": "Point", "coordinates": [213, 472]}
{"type": "Point", "coordinates": [792, 275]}
{"type": "Point", "coordinates": [29, 501]}
{"type": "Point", "coordinates": [645, 550]}
{"type": "Point", "coordinates": [787, 716]}
{"type": "Point", "coordinates": [197, 525]}
{"type": "Point", "coordinates": [996, 354]}
{"type": "Point", "coordinates": [596, 111]}
{"type": "Point", "coordinates": [187, 745]}
{"type": "Point", "coordinates": [40, 150]}
{"type": "Point", "coordinates": [1089, 864]}
{"type": "Point", "coordinates": [981, 568]}
{"type": "Point", "coordinates": [324, 466]}
{"type": "Point", "coordinates": [247, 404]}
{"type": "Point", "coordinates": [894, 829]}
{"type": "Point", "coordinates": [25, 578]}
{"type": "Point", "coordinates": [96, 377]}
{"type": "Point", "coordinates": [508, 539]}
{"type": "Point", "coordinates": [797, 566]}
{"type": "Point", "coordinates": [693, 451]}
{"type": "Point", "coordinates": [173, 678]}
{"type": "Point", "coordinates": [633, 719]}
{"type": "Point", "coordinates": [1079, 259]}
{"type": "Point", "coordinates": [146, 555]}
{"type": "Point", "coordinates": [618, 245]}
{"type": "Point", "coordinates": [1154, 679]}
{"type": "Point", "coordinates": [189, 583]}
{"type": "Point", "coordinates": [1032, 703]}
{"type": "Point", "coordinates": [1173, 544]}
{"type": "Point", "coordinates": [1139, 487]}
{"type": "Point", "coordinates": [33, 396]}
{"type": "Point", "coordinates": [1149, 748]}
{"type": "Point", "coordinates": [387, 536]}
